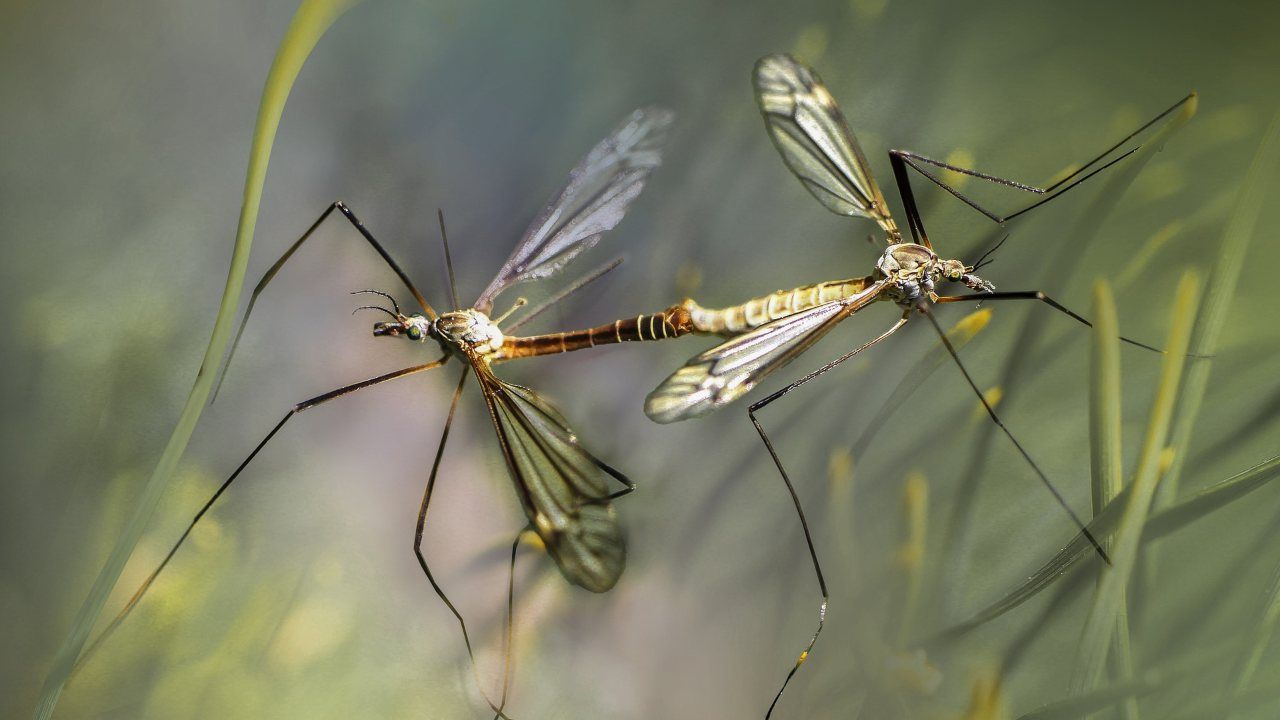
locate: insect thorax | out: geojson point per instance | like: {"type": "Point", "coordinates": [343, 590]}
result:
{"type": "Point", "coordinates": [911, 270]}
{"type": "Point", "coordinates": [470, 329]}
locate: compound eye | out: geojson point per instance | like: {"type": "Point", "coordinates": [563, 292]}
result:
{"type": "Point", "coordinates": [414, 332]}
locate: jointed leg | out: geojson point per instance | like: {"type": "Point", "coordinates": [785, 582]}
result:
{"type": "Point", "coordinates": [275, 268]}
{"type": "Point", "coordinates": [421, 527]}
{"type": "Point", "coordinates": [1021, 450]}
{"type": "Point", "coordinates": [795, 498]}
{"type": "Point", "coordinates": [901, 159]}
{"type": "Point", "coordinates": [1035, 295]}
{"type": "Point", "coordinates": [508, 664]}
{"type": "Point", "coordinates": [304, 405]}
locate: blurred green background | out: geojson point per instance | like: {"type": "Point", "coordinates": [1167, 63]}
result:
{"type": "Point", "coordinates": [127, 131]}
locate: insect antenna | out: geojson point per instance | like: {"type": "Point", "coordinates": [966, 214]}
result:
{"type": "Point", "coordinates": [394, 304]}
{"type": "Point", "coordinates": [987, 258]}
{"type": "Point", "coordinates": [448, 261]}
{"type": "Point", "coordinates": [1021, 450]}
{"type": "Point", "coordinates": [376, 307]}
{"type": "Point", "coordinates": [573, 287]}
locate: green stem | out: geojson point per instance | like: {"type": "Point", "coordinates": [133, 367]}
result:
{"type": "Point", "coordinates": [309, 24]}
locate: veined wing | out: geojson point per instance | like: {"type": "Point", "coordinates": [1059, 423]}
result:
{"type": "Point", "coordinates": [810, 132]}
{"type": "Point", "coordinates": [563, 488]}
{"type": "Point", "coordinates": [728, 371]}
{"type": "Point", "coordinates": [600, 189]}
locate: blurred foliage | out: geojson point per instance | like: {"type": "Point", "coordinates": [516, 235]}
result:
{"type": "Point", "coordinates": [301, 597]}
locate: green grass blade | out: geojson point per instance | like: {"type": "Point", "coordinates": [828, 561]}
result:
{"type": "Point", "coordinates": [1262, 696]}
{"type": "Point", "coordinates": [1211, 498]}
{"type": "Point", "coordinates": [1096, 700]}
{"type": "Point", "coordinates": [1106, 462]}
{"type": "Point", "coordinates": [1140, 260]}
{"type": "Point", "coordinates": [1248, 665]}
{"type": "Point", "coordinates": [910, 557]}
{"type": "Point", "coordinates": [1064, 262]}
{"type": "Point", "coordinates": [1104, 400]}
{"type": "Point", "coordinates": [1221, 289]}
{"type": "Point", "coordinates": [1164, 523]}
{"type": "Point", "coordinates": [309, 23]}
{"type": "Point", "coordinates": [1109, 599]}
{"type": "Point", "coordinates": [1167, 674]}
{"type": "Point", "coordinates": [1224, 277]}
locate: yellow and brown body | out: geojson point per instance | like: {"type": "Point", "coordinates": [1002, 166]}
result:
{"type": "Point", "coordinates": [670, 323]}
{"type": "Point", "coordinates": [753, 313]}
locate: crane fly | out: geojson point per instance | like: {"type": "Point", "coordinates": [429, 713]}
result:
{"type": "Point", "coordinates": [563, 489]}
{"type": "Point", "coordinates": [810, 132]}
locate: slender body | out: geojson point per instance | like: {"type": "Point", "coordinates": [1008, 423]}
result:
{"type": "Point", "coordinates": [766, 333]}
{"type": "Point", "coordinates": [671, 323]}
{"type": "Point", "coordinates": [564, 490]}
{"type": "Point", "coordinates": [737, 319]}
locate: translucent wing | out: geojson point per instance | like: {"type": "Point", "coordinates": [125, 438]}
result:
{"type": "Point", "coordinates": [728, 371]}
{"type": "Point", "coordinates": [562, 487]}
{"type": "Point", "coordinates": [599, 191]}
{"type": "Point", "coordinates": [810, 132]}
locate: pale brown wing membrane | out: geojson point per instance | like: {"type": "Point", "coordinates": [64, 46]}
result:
{"type": "Point", "coordinates": [810, 132]}
{"type": "Point", "coordinates": [600, 190]}
{"type": "Point", "coordinates": [562, 487]}
{"type": "Point", "coordinates": [724, 373]}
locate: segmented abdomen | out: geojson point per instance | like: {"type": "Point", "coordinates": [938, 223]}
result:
{"type": "Point", "coordinates": [670, 323]}
{"type": "Point", "coordinates": [758, 311]}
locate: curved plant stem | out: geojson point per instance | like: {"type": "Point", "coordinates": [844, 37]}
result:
{"type": "Point", "coordinates": [309, 23]}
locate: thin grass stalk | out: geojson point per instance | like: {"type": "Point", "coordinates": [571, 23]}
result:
{"type": "Point", "coordinates": [1240, 229]}
{"type": "Point", "coordinates": [1247, 667]}
{"type": "Point", "coordinates": [1106, 462]}
{"type": "Point", "coordinates": [1164, 523]}
{"type": "Point", "coordinates": [915, 511]}
{"type": "Point", "coordinates": [312, 19]}
{"type": "Point", "coordinates": [1064, 262]}
{"type": "Point", "coordinates": [1097, 636]}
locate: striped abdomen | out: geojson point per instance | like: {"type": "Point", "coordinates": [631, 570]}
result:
{"type": "Point", "coordinates": [670, 323]}
{"type": "Point", "coordinates": [758, 311]}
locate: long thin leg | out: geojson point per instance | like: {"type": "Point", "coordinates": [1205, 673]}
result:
{"type": "Point", "coordinates": [795, 498]}
{"type": "Point", "coordinates": [1044, 479]}
{"type": "Point", "coordinates": [508, 664]}
{"type": "Point", "coordinates": [421, 528]}
{"type": "Point", "coordinates": [901, 159]}
{"type": "Point", "coordinates": [270, 274]}
{"type": "Point", "coordinates": [304, 405]}
{"type": "Point", "coordinates": [1035, 295]}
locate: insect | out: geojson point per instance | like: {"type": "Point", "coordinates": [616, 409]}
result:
{"type": "Point", "coordinates": [563, 489]}
{"type": "Point", "coordinates": [810, 132]}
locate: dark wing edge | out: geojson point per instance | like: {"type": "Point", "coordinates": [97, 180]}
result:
{"type": "Point", "coordinates": [815, 142]}
{"type": "Point", "coordinates": [600, 189]}
{"type": "Point", "coordinates": [728, 371]}
{"type": "Point", "coordinates": [562, 487]}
